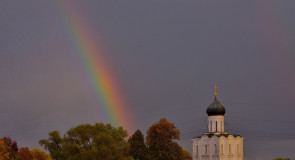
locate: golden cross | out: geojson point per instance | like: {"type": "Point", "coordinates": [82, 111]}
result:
{"type": "Point", "coordinates": [215, 87]}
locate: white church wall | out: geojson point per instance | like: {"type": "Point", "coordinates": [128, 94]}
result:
{"type": "Point", "coordinates": [218, 148]}
{"type": "Point", "coordinates": [216, 123]}
{"type": "Point", "coordinates": [239, 148]}
{"type": "Point", "coordinates": [204, 148]}
{"type": "Point", "coordinates": [222, 147]}
{"type": "Point", "coordinates": [230, 147]}
{"type": "Point", "coordinates": [214, 147]}
{"type": "Point", "coordinates": [196, 148]}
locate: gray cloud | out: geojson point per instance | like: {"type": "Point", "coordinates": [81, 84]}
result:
{"type": "Point", "coordinates": [166, 55]}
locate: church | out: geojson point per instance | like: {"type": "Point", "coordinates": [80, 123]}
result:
{"type": "Point", "coordinates": [216, 144]}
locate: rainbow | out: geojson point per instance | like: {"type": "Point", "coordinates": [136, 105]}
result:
{"type": "Point", "coordinates": [101, 77]}
{"type": "Point", "coordinates": [276, 32]}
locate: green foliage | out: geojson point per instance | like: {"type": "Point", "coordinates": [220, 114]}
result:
{"type": "Point", "coordinates": [53, 145]}
{"type": "Point", "coordinates": [138, 149]}
{"type": "Point", "coordinates": [88, 142]}
{"type": "Point", "coordinates": [160, 143]}
{"type": "Point", "coordinates": [282, 159]}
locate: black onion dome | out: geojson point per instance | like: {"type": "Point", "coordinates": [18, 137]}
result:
{"type": "Point", "coordinates": [215, 108]}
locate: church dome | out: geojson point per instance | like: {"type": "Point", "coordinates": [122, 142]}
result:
{"type": "Point", "coordinates": [215, 108]}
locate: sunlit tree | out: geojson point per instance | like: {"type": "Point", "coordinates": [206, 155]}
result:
{"type": "Point", "coordinates": [12, 147]}
{"type": "Point", "coordinates": [4, 154]}
{"type": "Point", "coordinates": [186, 155]}
{"type": "Point", "coordinates": [24, 154]}
{"type": "Point", "coordinates": [160, 142]}
{"type": "Point", "coordinates": [40, 155]}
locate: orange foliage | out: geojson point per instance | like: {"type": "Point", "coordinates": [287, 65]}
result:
{"type": "Point", "coordinates": [163, 131]}
{"type": "Point", "coordinates": [40, 155]}
{"type": "Point", "coordinates": [4, 154]}
{"type": "Point", "coordinates": [24, 154]}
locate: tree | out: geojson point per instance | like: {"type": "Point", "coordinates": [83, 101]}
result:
{"type": "Point", "coordinates": [88, 142]}
{"type": "Point", "coordinates": [53, 145]}
{"type": "Point", "coordinates": [38, 154]}
{"type": "Point", "coordinates": [138, 149]}
{"type": "Point", "coordinates": [12, 147]}
{"type": "Point", "coordinates": [282, 159]}
{"type": "Point", "coordinates": [4, 154]}
{"type": "Point", "coordinates": [186, 155]}
{"type": "Point", "coordinates": [95, 142]}
{"type": "Point", "coordinates": [24, 154]}
{"type": "Point", "coordinates": [160, 143]}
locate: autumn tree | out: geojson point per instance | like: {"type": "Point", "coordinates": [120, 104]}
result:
{"type": "Point", "coordinates": [282, 159]}
{"type": "Point", "coordinates": [38, 154]}
{"type": "Point", "coordinates": [4, 154]}
{"type": "Point", "coordinates": [24, 154]}
{"type": "Point", "coordinates": [186, 155]}
{"type": "Point", "coordinates": [160, 142]}
{"type": "Point", "coordinates": [12, 147]}
{"type": "Point", "coordinates": [54, 145]}
{"type": "Point", "coordinates": [138, 149]}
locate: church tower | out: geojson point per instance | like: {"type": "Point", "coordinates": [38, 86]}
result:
{"type": "Point", "coordinates": [216, 144]}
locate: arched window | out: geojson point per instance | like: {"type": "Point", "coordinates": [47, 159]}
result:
{"type": "Point", "coordinates": [229, 149]}
{"type": "Point", "coordinates": [197, 150]}
{"type": "Point", "coordinates": [221, 149]}
{"type": "Point", "coordinates": [210, 126]}
{"type": "Point", "coordinates": [220, 126]}
{"type": "Point", "coordinates": [238, 150]}
{"type": "Point", "coordinates": [216, 126]}
{"type": "Point", "coordinates": [215, 147]}
{"type": "Point", "coordinates": [206, 151]}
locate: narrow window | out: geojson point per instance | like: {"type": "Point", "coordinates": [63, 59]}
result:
{"type": "Point", "coordinates": [221, 149]}
{"type": "Point", "coordinates": [206, 149]}
{"type": "Point", "coordinates": [221, 126]}
{"type": "Point", "coordinates": [197, 149]}
{"type": "Point", "coordinates": [216, 126]}
{"type": "Point", "coordinates": [238, 149]}
{"type": "Point", "coordinates": [215, 146]}
{"type": "Point", "coordinates": [210, 126]}
{"type": "Point", "coordinates": [229, 149]}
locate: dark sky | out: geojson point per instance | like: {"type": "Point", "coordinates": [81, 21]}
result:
{"type": "Point", "coordinates": [167, 55]}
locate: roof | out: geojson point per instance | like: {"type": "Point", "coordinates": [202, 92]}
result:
{"type": "Point", "coordinates": [215, 108]}
{"type": "Point", "coordinates": [209, 135]}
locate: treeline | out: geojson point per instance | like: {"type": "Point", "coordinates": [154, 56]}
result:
{"type": "Point", "coordinates": [105, 142]}
{"type": "Point", "coordinates": [9, 151]}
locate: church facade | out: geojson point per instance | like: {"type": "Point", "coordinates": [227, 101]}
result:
{"type": "Point", "coordinates": [216, 144]}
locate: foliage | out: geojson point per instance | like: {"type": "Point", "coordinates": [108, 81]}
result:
{"type": "Point", "coordinates": [9, 151]}
{"type": "Point", "coordinates": [4, 154]}
{"type": "Point", "coordinates": [38, 154]}
{"type": "Point", "coordinates": [24, 154]}
{"type": "Point", "coordinates": [53, 145]}
{"type": "Point", "coordinates": [12, 147]}
{"type": "Point", "coordinates": [88, 142]}
{"type": "Point", "coordinates": [282, 159]}
{"type": "Point", "coordinates": [138, 149]}
{"type": "Point", "coordinates": [186, 155]}
{"type": "Point", "coordinates": [160, 143]}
